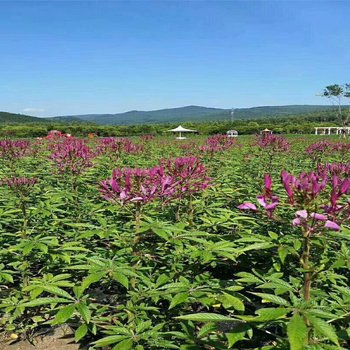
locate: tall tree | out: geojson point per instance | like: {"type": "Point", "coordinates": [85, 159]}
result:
{"type": "Point", "coordinates": [335, 93]}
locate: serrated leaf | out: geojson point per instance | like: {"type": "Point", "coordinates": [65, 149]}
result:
{"type": "Point", "coordinates": [80, 332]}
{"type": "Point", "coordinates": [266, 314]}
{"type": "Point", "coordinates": [84, 312]}
{"type": "Point", "coordinates": [271, 298]}
{"type": "Point", "coordinates": [230, 301]}
{"type": "Point", "coordinates": [64, 314]}
{"type": "Point", "coordinates": [122, 279]}
{"type": "Point", "coordinates": [297, 332]}
{"type": "Point", "coordinates": [112, 339]}
{"type": "Point", "coordinates": [57, 291]}
{"type": "Point", "coordinates": [206, 317]}
{"type": "Point", "coordinates": [323, 328]}
{"type": "Point", "coordinates": [45, 301]}
{"type": "Point", "coordinates": [124, 345]}
{"type": "Point", "coordinates": [178, 299]}
{"type": "Point", "coordinates": [257, 246]}
{"type": "Point", "coordinates": [93, 278]}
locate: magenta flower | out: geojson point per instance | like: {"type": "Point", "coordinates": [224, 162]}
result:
{"type": "Point", "coordinates": [273, 143]}
{"type": "Point", "coordinates": [172, 179]}
{"type": "Point", "coordinates": [117, 146]}
{"type": "Point", "coordinates": [72, 156]}
{"type": "Point", "coordinates": [21, 186]}
{"type": "Point", "coordinates": [313, 222]}
{"type": "Point", "coordinates": [304, 188]}
{"type": "Point", "coordinates": [188, 173]}
{"type": "Point", "coordinates": [132, 185]}
{"type": "Point", "coordinates": [14, 149]}
{"type": "Point", "coordinates": [267, 199]}
{"type": "Point", "coordinates": [247, 206]}
{"type": "Point", "coordinates": [332, 225]}
{"type": "Point", "coordinates": [217, 143]}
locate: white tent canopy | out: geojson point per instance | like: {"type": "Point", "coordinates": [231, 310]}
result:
{"type": "Point", "coordinates": [180, 129]}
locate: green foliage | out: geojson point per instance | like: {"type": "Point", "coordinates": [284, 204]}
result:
{"type": "Point", "coordinates": [201, 274]}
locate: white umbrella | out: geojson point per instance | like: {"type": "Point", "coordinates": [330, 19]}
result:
{"type": "Point", "coordinates": [180, 129]}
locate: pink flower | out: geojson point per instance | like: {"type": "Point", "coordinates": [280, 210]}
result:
{"type": "Point", "coordinates": [332, 225]}
{"type": "Point", "coordinates": [21, 186]}
{"type": "Point", "coordinates": [319, 217]}
{"type": "Point", "coordinates": [304, 188]}
{"type": "Point", "coordinates": [247, 206]}
{"type": "Point", "coordinates": [273, 143]}
{"type": "Point", "coordinates": [172, 179]}
{"type": "Point", "coordinates": [72, 156]}
{"type": "Point", "coordinates": [14, 149]}
{"type": "Point", "coordinates": [267, 200]}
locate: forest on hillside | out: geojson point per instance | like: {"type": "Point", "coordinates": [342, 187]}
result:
{"type": "Point", "coordinates": [293, 124]}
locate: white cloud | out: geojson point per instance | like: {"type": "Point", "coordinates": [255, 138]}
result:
{"type": "Point", "coordinates": [33, 110]}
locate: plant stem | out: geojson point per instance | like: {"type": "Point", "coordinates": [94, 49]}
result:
{"type": "Point", "coordinates": [306, 266]}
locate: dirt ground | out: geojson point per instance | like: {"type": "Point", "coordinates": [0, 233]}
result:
{"type": "Point", "coordinates": [60, 339]}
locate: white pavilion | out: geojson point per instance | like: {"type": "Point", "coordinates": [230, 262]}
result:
{"type": "Point", "coordinates": [332, 130]}
{"type": "Point", "coordinates": [180, 130]}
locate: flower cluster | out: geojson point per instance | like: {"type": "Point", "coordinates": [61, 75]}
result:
{"type": "Point", "coordinates": [72, 156]}
{"type": "Point", "coordinates": [14, 149]}
{"type": "Point", "coordinates": [118, 146]}
{"type": "Point", "coordinates": [317, 150]}
{"type": "Point", "coordinates": [188, 173]}
{"type": "Point", "coordinates": [273, 143]}
{"type": "Point", "coordinates": [217, 143]}
{"type": "Point", "coordinates": [19, 185]}
{"type": "Point", "coordinates": [317, 206]}
{"type": "Point", "coordinates": [171, 179]}
{"type": "Point", "coordinates": [303, 189]}
{"type": "Point", "coordinates": [313, 222]}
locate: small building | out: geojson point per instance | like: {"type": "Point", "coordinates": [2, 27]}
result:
{"type": "Point", "coordinates": [232, 133]}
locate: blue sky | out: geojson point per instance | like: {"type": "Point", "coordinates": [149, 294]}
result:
{"type": "Point", "coordinates": [60, 57]}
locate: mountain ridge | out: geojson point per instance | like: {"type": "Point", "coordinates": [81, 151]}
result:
{"type": "Point", "coordinates": [193, 113]}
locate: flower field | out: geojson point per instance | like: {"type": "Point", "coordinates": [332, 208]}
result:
{"type": "Point", "coordinates": [152, 243]}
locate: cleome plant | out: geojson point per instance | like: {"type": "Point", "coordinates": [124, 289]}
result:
{"type": "Point", "coordinates": [152, 244]}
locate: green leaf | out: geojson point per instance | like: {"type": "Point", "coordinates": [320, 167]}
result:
{"type": "Point", "coordinates": [161, 233]}
{"type": "Point", "coordinates": [178, 299]}
{"type": "Point", "coordinates": [206, 317]}
{"type": "Point", "coordinates": [57, 291]}
{"type": "Point", "coordinates": [237, 334]}
{"type": "Point", "coordinates": [122, 279]}
{"type": "Point", "coordinates": [229, 301]}
{"type": "Point", "coordinates": [282, 253]}
{"type": "Point", "coordinates": [297, 332]}
{"type": "Point", "coordinates": [266, 314]}
{"type": "Point", "coordinates": [323, 328]}
{"type": "Point", "coordinates": [112, 339]}
{"type": "Point", "coordinates": [45, 301]}
{"type": "Point", "coordinates": [257, 246]}
{"type": "Point", "coordinates": [95, 277]}
{"type": "Point", "coordinates": [84, 312]}
{"type": "Point", "coordinates": [271, 298]}
{"type": "Point", "coordinates": [124, 345]}
{"type": "Point", "coordinates": [80, 332]}
{"type": "Point", "coordinates": [64, 314]}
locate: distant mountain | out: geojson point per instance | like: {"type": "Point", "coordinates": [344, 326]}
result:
{"type": "Point", "coordinates": [193, 114]}
{"type": "Point", "coordinates": [6, 117]}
